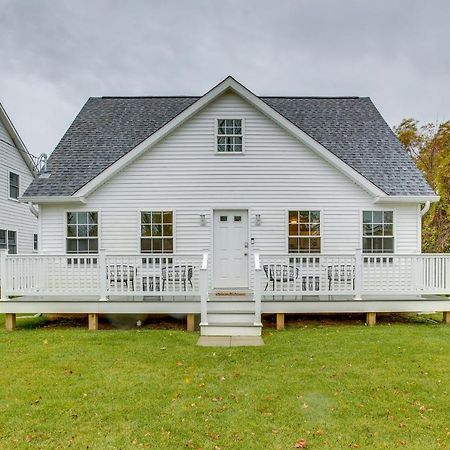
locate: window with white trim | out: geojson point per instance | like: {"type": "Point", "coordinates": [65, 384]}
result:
{"type": "Point", "coordinates": [378, 231]}
{"type": "Point", "coordinates": [35, 242]}
{"type": "Point", "coordinates": [8, 240]}
{"type": "Point", "coordinates": [14, 183]}
{"type": "Point", "coordinates": [229, 135]}
{"type": "Point", "coordinates": [157, 232]}
{"type": "Point", "coordinates": [304, 232]}
{"type": "Point", "coordinates": [82, 232]}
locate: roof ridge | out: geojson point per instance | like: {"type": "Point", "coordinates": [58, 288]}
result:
{"type": "Point", "coordinates": [259, 96]}
{"type": "Point", "coordinates": [149, 96]}
{"type": "Point", "coordinates": [312, 96]}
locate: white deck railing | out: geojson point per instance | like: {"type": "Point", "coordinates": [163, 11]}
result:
{"type": "Point", "coordinates": [352, 274]}
{"type": "Point", "coordinates": [101, 275]}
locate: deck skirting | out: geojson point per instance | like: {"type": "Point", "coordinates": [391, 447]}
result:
{"type": "Point", "coordinates": [193, 307]}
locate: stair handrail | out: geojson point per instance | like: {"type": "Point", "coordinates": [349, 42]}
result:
{"type": "Point", "coordinates": [258, 289]}
{"type": "Point", "coordinates": [203, 282]}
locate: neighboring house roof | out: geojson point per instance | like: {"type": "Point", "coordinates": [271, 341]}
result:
{"type": "Point", "coordinates": [20, 146]}
{"type": "Point", "coordinates": [351, 128]}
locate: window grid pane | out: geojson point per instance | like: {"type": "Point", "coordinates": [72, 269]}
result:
{"type": "Point", "coordinates": [82, 232]}
{"type": "Point", "coordinates": [157, 232]}
{"type": "Point", "coordinates": [229, 135]}
{"type": "Point", "coordinates": [378, 232]}
{"type": "Point", "coordinates": [13, 185]}
{"type": "Point", "coordinates": [12, 242]}
{"type": "Point", "coordinates": [304, 232]}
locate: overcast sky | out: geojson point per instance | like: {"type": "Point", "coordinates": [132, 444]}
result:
{"type": "Point", "coordinates": [54, 54]}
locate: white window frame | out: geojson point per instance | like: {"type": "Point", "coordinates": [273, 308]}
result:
{"type": "Point", "coordinates": [310, 236]}
{"type": "Point", "coordinates": [140, 236]}
{"type": "Point", "coordinates": [393, 236]}
{"type": "Point", "coordinates": [9, 185]}
{"type": "Point", "coordinates": [66, 237]}
{"type": "Point", "coordinates": [216, 134]}
{"type": "Point", "coordinates": [7, 231]}
{"type": "Point", "coordinates": [36, 242]}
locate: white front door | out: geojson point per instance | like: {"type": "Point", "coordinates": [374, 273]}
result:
{"type": "Point", "coordinates": [230, 249]}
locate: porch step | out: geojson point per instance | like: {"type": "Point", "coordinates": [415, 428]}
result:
{"type": "Point", "coordinates": [230, 329]}
{"type": "Point", "coordinates": [236, 317]}
{"type": "Point", "coordinates": [231, 315]}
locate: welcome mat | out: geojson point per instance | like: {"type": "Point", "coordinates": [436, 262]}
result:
{"type": "Point", "coordinates": [231, 293]}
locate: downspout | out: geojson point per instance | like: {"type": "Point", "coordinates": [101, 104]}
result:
{"type": "Point", "coordinates": [34, 210]}
{"type": "Point", "coordinates": [425, 209]}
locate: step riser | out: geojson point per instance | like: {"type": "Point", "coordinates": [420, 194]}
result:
{"type": "Point", "coordinates": [231, 318]}
{"type": "Point", "coordinates": [214, 306]}
{"type": "Point", "coordinates": [230, 331]}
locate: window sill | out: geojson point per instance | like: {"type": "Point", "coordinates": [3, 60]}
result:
{"type": "Point", "coordinates": [229, 153]}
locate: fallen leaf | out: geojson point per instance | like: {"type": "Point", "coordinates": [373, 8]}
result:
{"type": "Point", "coordinates": [301, 444]}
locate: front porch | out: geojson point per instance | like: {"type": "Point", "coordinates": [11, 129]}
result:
{"type": "Point", "coordinates": [181, 284]}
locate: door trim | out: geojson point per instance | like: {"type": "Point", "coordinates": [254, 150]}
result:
{"type": "Point", "coordinates": [250, 250]}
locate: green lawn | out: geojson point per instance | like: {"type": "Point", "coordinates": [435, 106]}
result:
{"type": "Point", "coordinates": [333, 386]}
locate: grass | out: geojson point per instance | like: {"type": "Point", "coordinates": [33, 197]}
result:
{"type": "Point", "coordinates": [324, 386]}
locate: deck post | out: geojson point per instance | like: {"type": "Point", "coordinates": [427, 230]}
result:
{"type": "Point", "coordinates": [280, 321]}
{"type": "Point", "coordinates": [257, 290]}
{"type": "Point", "coordinates": [203, 284]}
{"type": "Point", "coordinates": [10, 321]}
{"type": "Point", "coordinates": [358, 274]}
{"type": "Point", "coordinates": [190, 322]}
{"type": "Point", "coordinates": [3, 275]}
{"type": "Point", "coordinates": [446, 317]}
{"type": "Point", "coordinates": [102, 273]}
{"type": "Point", "coordinates": [93, 321]}
{"type": "Point", "coordinates": [371, 319]}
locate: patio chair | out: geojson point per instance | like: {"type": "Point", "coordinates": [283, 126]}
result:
{"type": "Point", "coordinates": [121, 273]}
{"type": "Point", "coordinates": [343, 273]}
{"type": "Point", "coordinates": [176, 273]}
{"type": "Point", "coordinates": [279, 273]}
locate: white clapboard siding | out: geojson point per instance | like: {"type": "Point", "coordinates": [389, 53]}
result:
{"type": "Point", "coordinates": [15, 216]}
{"type": "Point", "coordinates": [276, 173]}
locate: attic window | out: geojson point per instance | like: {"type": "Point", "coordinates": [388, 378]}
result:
{"type": "Point", "coordinates": [229, 136]}
{"type": "Point", "coordinates": [13, 185]}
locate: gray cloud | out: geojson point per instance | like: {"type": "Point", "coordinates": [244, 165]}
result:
{"type": "Point", "coordinates": [54, 54]}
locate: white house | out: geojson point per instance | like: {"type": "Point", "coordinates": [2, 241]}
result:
{"type": "Point", "coordinates": [229, 205]}
{"type": "Point", "coordinates": [18, 226]}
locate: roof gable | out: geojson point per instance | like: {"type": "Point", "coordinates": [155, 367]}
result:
{"type": "Point", "coordinates": [19, 144]}
{"type": "Point", "coordinates": [110, 132]}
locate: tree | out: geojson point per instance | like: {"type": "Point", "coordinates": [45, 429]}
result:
{"type": "Point", "coordinates": [429, 146]}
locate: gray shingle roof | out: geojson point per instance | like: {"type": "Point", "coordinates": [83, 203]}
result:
{"type": "Point", "coordinates": [350, 127]}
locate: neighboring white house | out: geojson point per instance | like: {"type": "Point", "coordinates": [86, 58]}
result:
{"type": "Point", "coordinates": [268, 196]}
{"type": "Point", "coordinates": [18, 226]}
